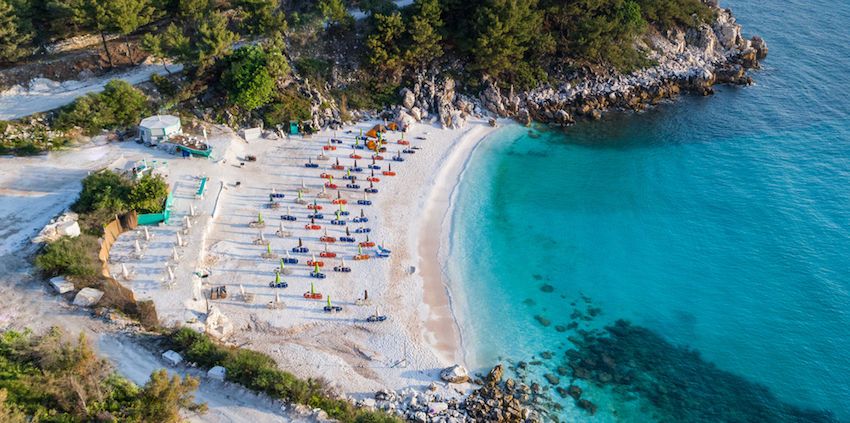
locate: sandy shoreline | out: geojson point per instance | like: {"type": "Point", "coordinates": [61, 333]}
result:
{"type": "Point", "coordinates": [358, 358]}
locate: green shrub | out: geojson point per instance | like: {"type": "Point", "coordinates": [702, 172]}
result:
{"type": "Point", "coordinates": [105, 190]}
{"type": "Point", "coordinates": [315, 70]}
{"type": "Point", "coordinates": [148, 195]}
{"type": "Point", "coordinates": [247, 78]}
{"type": "Point", "coordinates": [71, 256]}
{"type": "Point", "coordinates": [164, 85]}
{"type": "Point", "coordinates": [280, 384]}
{"type": "Point", "coordinates": [290, 105]}
{"type": "Point", "coordinates": [376, 417]}
{"type": "Point", "coordinates": [371, 94]}
{"type": "Point", "coordinates": [246, 365]}
{"type": "Point", "coordinates": [119, 104]}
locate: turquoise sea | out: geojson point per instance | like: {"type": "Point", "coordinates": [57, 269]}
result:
{"type": "Point", "coordinates": [716, 230]}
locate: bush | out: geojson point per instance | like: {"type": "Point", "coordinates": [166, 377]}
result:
{"type": "Point", "coordinates": [119, 104]}
{"type": "Point", "coordinates": [148, 195]}
{"type": "Point", "coordinates": [259, 372]}
{"type": "Point", "coordinates": [247, 78]}
{"type": "Point", "coordinates": [371, 94]}
{"type": "Point", "coordinates": [164, 85]}
{"type": "Point", "coordinates": [53, 379]}
{"type": "Point", "coordinates": [71, 256]}
{"type": "Point", "coordinates": [105, 190]}
{"type": "Point", "coordinates": [290, 105]}
{"type": "Point", "coordinates": [315, 70]}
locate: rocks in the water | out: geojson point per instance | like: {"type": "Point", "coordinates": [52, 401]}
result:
{"type": "Point", "coordinates": [562, 392]}
{"type": "Point", "coordinates": [604, 377]}
{"type": "Point", "coordinates": [495, 374]}
{"type": "Point", "coordinates": [547, 288]}
{"type": "Point", "coordinates": [562, 370]}
{"type": "Point", "coordinates": [546, 355]}
{"type": "Point", "coordinates": [759, 45]}
{"type": "Point", "coordinates": [521, 365]}
{"type": "Point", "coordinates": [582, 373]}
{"type": "Point", "coordinates": [560, 328]}
{"type": "Point", "coordinates": [574, 391]}
{"type": "Point", "coordinates": [554, 380]}
{"type": "Point", "coordinates": [454, 374]}
{"type": "Point", "coordinates": [594, 311]}
{"type": "Point", "coordinates": [587, 406]}
{"type": "Point", "coordinates": [572, 325]}
{"type": "Point", "coordinates": [537, 277]}
{"type": "Point", "coordinates": [576, 314]}
{"type": "Point", "coordinates": [543, 321]}
{"type": "Point", "coordinates": [529, 302]}
{"type": "Point", "coordinates": [572, 354]}
{"type": "Point", "coordinates": [536, 363]}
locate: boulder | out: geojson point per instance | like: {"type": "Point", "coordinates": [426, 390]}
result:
{"type": "Point", "coordinates": [587, 406]}
{"type": "Point", "coordinates": [437, 407]}
{"type": "Point", "coordinates": [71, 229]}
{"type": "Point", "coordinates": [546, 355]}
{"type": "Point", "coordinates": [217, 372]}
{"type": "Point", "coordinates": [408, 98]}
{"type": "Point", "coordinates": [758, 44]}
{"type": "Point", "coordinates": [574, 391]}
{"type": "Point", "coordinates": [416, 113]}
{"type": "Point", "coordinates": [61, 285]}
{"type": "Point", "coordinates": [454, 374]}
{"type": "Point", "coordinates": [172, 357]}
{"type": "Point", "coordinates": [543, 321]}
{"type": "Point", "coordinates": [495, 374]}
{"type": "Point", "coordinates": [87, 297]}
{"type": "Point", "coordinates": [554, 380]}
{"type": "Point", "coordinates": [217, 324]}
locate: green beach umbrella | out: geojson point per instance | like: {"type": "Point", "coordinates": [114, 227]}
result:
{"type": "Point", "coordinates": [348, 171]}
{"type": "Point", "coordinates": [329, 300]}
{"type": "Point", "coordinates": [281, 264]}
{"type": "Point", "coordinates": [331, 180]}
{"type": "Point", "coordinates": [361, 132]}
{"type": "Point", "coordinates": [270, 247]}
{"type": "Point", "coordinates": [337, 215]}
{"type": "Point", "coordinates": [260, 217]}
{"type": "Point", "coordinates": [271, 197]}
{"type": "Point", "coordinates": [402, 134]}
{"type": "Point", "coordinates": [317, 268]}
{"type": "Point", "coordinates": [312, 290]}
{"type": "Point", "coordinates": [359, 250]}
{"type": "Point", "coordinates": [277, 278]}
{"type": "Point", "coordinates": [299, 194]}
{"type": "Point", "coordinates": [367, 238]}
{"type": "Point", "coordinates": [340, 207]}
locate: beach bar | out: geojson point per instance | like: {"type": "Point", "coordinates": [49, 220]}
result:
{"type": "Point", "coordinates": [159, 128]}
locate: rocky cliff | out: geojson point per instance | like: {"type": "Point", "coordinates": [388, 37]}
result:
{"type": "Point", "coordinates": [689, 59]}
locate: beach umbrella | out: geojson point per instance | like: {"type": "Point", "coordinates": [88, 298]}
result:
{"type": "Point", "coordinates": [348, 171]}
{"type": "Point", "coordinates": [337, 161]}
{"type": "Point", "coordinates": [367, 238]}
{"type": "Point", "coordinates": [326, 233]}
{"type": "Point", "coordinates": [277, 278]}
{"type": "Point", "coordinates": [359, 250]}
{"type": "Point", "coordinates": [269, 248]}
{"type": "Point", "coordinates": [281, 264]}
{"type": "Point", "coordinates": [362, 214]}
{"type": "Point", "coordinates": [317, 268]}
{"type": "Point", "coordinates": [340, 207]}
{"type": "Point", "coordinates": [390, 167]}
{"type": "Point", "coordinates": [287, 255]}
{"type": "Point", "coordinates": [347, 232]}
{"type": "Point", "coordinates": [331, 181]}
{"type": "Point", "coordinates": [299, 197]}
{"type": "Point", "coordinates": [337, 215]}
{"type": "Point", "coordinates": [361, 132]}
{"type": "Point", "coordinates": [343, 262]}
{"type": "Point", "coordinates": [338, 195]}
{"type": "Point", "coordinates": [299, 243]}
{"type": "Point", "coordinates": [312, 290]}
{"type": "Point", "coordinates": [276, 297]}
{"type": "Point", "coordinates": [260, 215]}
{"type": "Point", "coordinates": [329, 300]}
{"type": "Point", "coordinates": [402, 134]}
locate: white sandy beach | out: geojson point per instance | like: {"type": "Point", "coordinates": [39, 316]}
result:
{"type": "Point", "coordinates": [405, 217]}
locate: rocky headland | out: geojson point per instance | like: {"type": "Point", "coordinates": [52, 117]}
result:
{"type": "Point", "coordinates": [688, 59]}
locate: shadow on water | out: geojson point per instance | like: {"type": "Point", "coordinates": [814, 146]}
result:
{"type": "Point", "coordinates": [677, 383]}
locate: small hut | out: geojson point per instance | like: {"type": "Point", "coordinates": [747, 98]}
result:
{"type": "Point", "coordinates": [158, 128]}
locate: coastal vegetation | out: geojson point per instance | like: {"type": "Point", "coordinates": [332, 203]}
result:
{"type": "Point", "coordinates": [55, 378]}
{"type": "Point", "coordinates": [259, 372]}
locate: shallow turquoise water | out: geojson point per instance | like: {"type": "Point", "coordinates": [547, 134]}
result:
{"type": "Point", "coordinates": [720, 224]}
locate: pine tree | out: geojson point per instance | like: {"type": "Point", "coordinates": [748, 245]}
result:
{"type": "Point", "coordinates": [334, 12]}
{"type": "Point", "coordinates": [126, 16]}
{"type": "Point", "coordinates": [423, 29]}
{"type": "Point", "coordinates": [503, 32]}
{"type": "Point", "coordinates": [383, 47]}
{"type": "Point", "coordinates": [277, 64]}
{"type": "Point", "coordinates": [258, 18]}
{"type": "Point", "coordinates": [193, 10]}
{"type": "Point", "coordinates": [89, 14]}
{"type": "Point", "coordinates": [213, 38]}
{"type": "Point", "coordinates": [11, 38]}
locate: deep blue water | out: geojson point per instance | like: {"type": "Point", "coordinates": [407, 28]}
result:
{"type": "Point", "coordinates": [720, 224]}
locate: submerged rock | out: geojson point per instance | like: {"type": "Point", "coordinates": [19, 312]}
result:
{"type": "Point", "coordinates": [587, 406]}
{"type": "Point", "coordinates": [547, 288]}
{"type": "Point", "coordinates": [554, 380]}
{"type": "Point", "coordinates": [574, 391]}
{"type": "Point", "coordinates": [543, 321]}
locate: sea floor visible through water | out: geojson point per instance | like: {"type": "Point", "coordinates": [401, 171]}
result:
{"type": "Point", "coordinates": [707, 233]}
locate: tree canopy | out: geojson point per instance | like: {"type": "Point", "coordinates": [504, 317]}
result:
{"type": "Point", "coordinates": [247, 78]}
